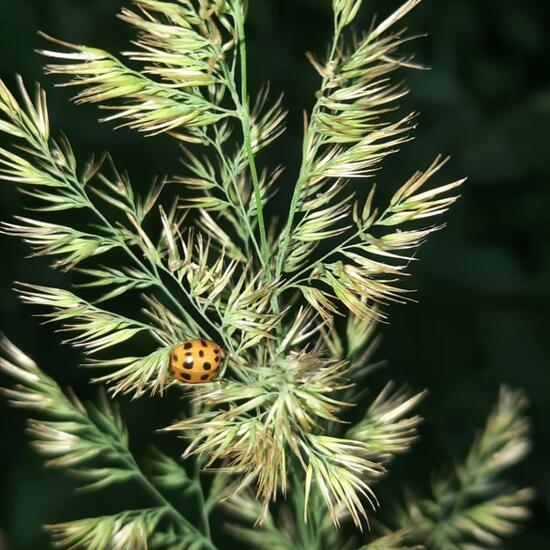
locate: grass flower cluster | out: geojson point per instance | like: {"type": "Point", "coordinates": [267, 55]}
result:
{"type": "Point", "coordinates": [294, 302]}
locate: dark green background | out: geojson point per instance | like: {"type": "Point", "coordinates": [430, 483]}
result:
{"type": "Point", "coordinates": [484, 282]}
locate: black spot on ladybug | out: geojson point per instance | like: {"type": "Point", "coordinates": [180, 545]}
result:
{"type": "Point", "coordinates": [201, 353]}
{"type": "Point", "coordinates": [204, 344]}
{"type": "Point", "coordinates": [175, 357]}
{"type": "Point", "coordinates": [188, 345]}
{"type": "Point", "coordinates": [188, 363]}
{"type": "Point", "coordinates": [217, 359]}
{"type": "Point", "coordinates": [207, 366]}
{"type": "Point", "coordinates": [216, 351]}
{"type": "Point", "coordinates": [186, 376]}
{"type": "Point", "coordinates": [204, 377]}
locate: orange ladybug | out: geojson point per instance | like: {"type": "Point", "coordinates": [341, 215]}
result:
{"type": "Point", "coordinates": [195, 361]}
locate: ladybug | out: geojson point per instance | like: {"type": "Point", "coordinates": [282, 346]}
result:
{"type": "Point", "coordinates": [195, 361]}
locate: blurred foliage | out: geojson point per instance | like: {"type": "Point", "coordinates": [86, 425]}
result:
{"type": "Point", "coordinates": [484, 297]}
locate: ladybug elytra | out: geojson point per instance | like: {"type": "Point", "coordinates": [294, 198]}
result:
{"type": "Point", "coordinates": [195, 361]}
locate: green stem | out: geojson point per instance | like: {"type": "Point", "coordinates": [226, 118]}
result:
{"type": "Point", "coordinates": [119, 448]}
{"type": "Point", "coordinates": [233, 175]}
{"type": "Point", "coordinates": [202, 502]}
{"type": "Point", "coordinates": [283, 247]}
{"type": "Point", "coordinates": [306, 161]}
{"type": "Point", "coordinates": [198, 486]}
{"type": "Point", "coordinates": [162, 500]}
{"type": "Point", "coordinates": [245, 122]}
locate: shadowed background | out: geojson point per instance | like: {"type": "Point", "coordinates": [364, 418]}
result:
{"type": "Point", "coordinates": [483, 283]}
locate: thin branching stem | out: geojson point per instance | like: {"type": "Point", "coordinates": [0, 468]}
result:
{"type": "Point", "coordinates": [201, 501]}
{"type": "Point", "coordinates": [304, 168]}
{"type": "Point", "coordinates": [153, 272]}
{"type": "Point", "coordinates": [190, 298]}
{"type": "Point", "coordinates": [127, 458]}
{"type": "Point", "coordinates": [340, 248]}
{"type": "Point", "coordinates": [233, 175]}
{"type": "Point", "coordinates": [244, 111]}
{"type": "Point", "coordinates": [164, 502]}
